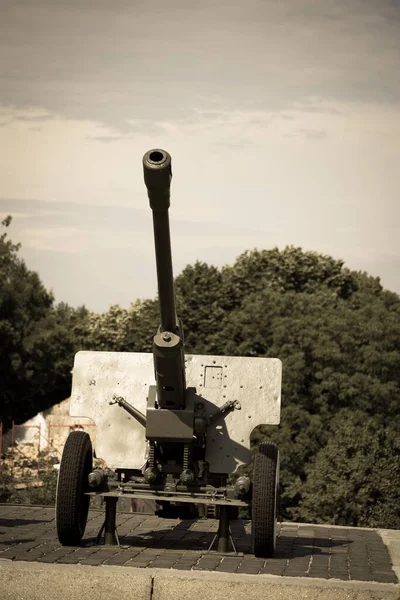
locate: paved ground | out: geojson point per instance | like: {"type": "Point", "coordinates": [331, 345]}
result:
{"type": "Point", "coordinates": [28, 534]}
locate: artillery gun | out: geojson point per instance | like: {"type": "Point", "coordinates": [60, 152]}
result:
{"type": "Point", "coordinates": [171, 427]}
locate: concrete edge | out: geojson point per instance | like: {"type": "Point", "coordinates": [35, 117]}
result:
{"type": "Point", "coordinates": [391, 539]}
{"type": "Point", "coordinates": [41, 581]}
{"type": "Point", "coordinates": [264, 579]}
{"type": "Point", "coordinates": [209, 576]}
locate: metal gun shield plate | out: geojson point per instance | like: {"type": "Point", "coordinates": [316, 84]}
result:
{"type": "Point", "coordinates": [120, 440]}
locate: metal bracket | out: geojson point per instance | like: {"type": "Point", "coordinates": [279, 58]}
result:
{"type": "Point", "coordinates": [223, 535]}
{"type": "Point", "coordinates": [110, 524]}
{"type": "Point", "coordinates": [225, 408]}
{"type": "Point", "coordinates": [140, 417]}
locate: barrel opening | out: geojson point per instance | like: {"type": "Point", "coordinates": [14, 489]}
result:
{"type": "Point", "coordinates": [156, 156]}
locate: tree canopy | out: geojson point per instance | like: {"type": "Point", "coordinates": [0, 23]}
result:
{"type": "Point", "coordinates": [37, 339]}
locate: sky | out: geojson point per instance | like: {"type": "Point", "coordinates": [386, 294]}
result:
{"type": "Point", "coordinates": [282, 119]}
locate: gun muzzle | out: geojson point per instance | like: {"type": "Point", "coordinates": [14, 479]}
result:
{"type": "Point", "coordinates": [157, 177]}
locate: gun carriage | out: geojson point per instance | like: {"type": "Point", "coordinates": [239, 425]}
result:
{"type": "Point", "coordinates": [171, 427]}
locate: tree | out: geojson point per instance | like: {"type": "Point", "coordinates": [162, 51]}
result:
{"type": "Point", "coordinates": [37, 339]}
{"type": "Point", "coordinates": [339, 350]}
{"type": "Point", "coordinates": [290, 270]}
{"type": "Point", "coordinates": [122, 330]}
{"type": "Point", "coordinates": [355, 478]}
{"type": "Point", "coordinates": [199, 299]}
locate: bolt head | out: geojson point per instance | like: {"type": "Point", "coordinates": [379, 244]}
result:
{"type": "Point", "coordinates": [150, 475]}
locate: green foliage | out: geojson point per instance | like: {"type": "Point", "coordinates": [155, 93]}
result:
{"type": "Point", "coordinates": [7, 484]}
{"type": "Point", "coordinates": [355, 478]}
{"type": "Point", "coordinates": [37, 339]}
{"type": "Point", "coordinates": [338, 335]}
{"type": "Point", "coordinates": [40, 491]}
{"type": "Point", "coordinates": [121, 330]}
{"type": "Point", "coordinates": [199, 299]}
{"type": "Point", "coordinates": [44, 494]}
{"type": "Point", "coordinates": [290, 270]}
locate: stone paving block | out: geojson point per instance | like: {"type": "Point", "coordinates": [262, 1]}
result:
{"type": "Point", "coordinates": [277, 568]}
{"type": "Point", "coordinates": [143, 559]}
{"type": "Point", "coordinates": [28, 545]}
{"type": "Point", "coordinates": [208, 563]}
{"type": "Point", "coordinates": [340, 564]}
{"type": "Point", "coordinates": [228, 564]}
{"type": "Point", "coordinates": [362, 576]}
{"type": "Point", "coordinates": [100, 557]}
{"type": "Point", "coordinates": [166, 563]}
{"type": "Point", "coordinates": [292, 571]}
{"type": "Point", "coordinates": [31, 556]}
{"type": "Point", "coordinates": [11, 552]}
{"type": "Point", "coordinates": [340, 561]}
{"type": "Point", "coordinates": [48, 535]}
{"type": "Point", "coordinates": [69, 559]}
{"type": "Point", "coordinates": [169, 555]}
{"type": "Point", "coordinates": [152, 553]}
{"type": "Point", "coordinates": [119, 559]}
{"type": "Point", "coordinates": [385, 577]}
{"type": "Point", "coordinates": [50, 545]}
{"type": "Point", "coordinates": [82, 553]}
{"type": "Point", "coordinates": [53, 557]}
{"type": "Point", "coordinates": [192, 560]}
{"type": "Point", "coordinates": [139, 563]}
{"type": "Point", "coordinates": [339, 573]}
{"type": "Point", "coordinates": [249, 569]}
{"type": "Point", "coordinates": [184, 565]}
{"type": "Point", "coordinates": [5, 546]}
{"type": "Point", "coordinates": [320, 573]}
{"type": "Point", "coordinates": [358, 551]}
{"type": "Point", "coordinates": [94, 560]}
{"type": "Point", "coordinates": [320, 559]}
{"type": "Point", "coordinates": [380, 567]}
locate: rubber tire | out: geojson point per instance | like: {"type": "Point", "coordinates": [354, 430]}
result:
{"type": "Point", "coordinates": [265, 499]}
{"type": "Point", "coordinates": [72, 505]}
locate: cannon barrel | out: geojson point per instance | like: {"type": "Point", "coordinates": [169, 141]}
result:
{"type": "Point", "coordinates": [168, 353]}
{"type": "Point", "coordinates": [157, 177]}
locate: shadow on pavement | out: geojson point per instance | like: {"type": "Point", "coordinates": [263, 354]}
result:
{"type": "Point", "coordinates": [19, 522]}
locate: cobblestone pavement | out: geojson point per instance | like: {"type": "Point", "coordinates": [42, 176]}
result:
{"type": "Point", "coordinates": [28, 533]}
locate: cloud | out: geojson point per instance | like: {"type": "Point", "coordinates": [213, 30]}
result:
{"type": "Point", "coordinates": [108, 138]}
{"type": "Point", "coordinates": [33, 118]}
{"type": "Point", "coordinates": [311, 134]}
{"type": "Point", "coordinates": [10, 115]}
{"type": "Point", "coordinates": [112, 66]}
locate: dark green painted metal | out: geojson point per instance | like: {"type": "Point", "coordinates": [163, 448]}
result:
{"type": "Point", "coordinates": [168, 353]}
{"type": "Point", "coordinates": [110, 523]}
{"type": "Point", "coordinates": [166, 424]}
{"type": "Point", "coordinates": [157, 177]}
{"type": "Point", "coordinates": [140, 417]}
{"type": "Point", "coordinates": [223, 530]}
